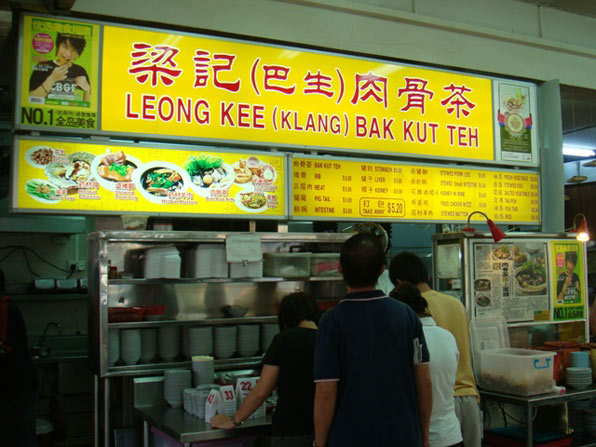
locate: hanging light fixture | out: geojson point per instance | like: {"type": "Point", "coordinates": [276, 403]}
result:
{"type": "Point", "coordinates": [577, 178]}
{"type": "Point", "coordinates": [582, 231]}
{"type": "Point", "coordinates": [496, 232]}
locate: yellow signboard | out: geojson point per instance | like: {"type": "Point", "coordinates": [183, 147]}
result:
{"type": "Point", "coordinates": [182, 85]}
{"type": "Point", "coordinates": [325, 187]}
{"type": "Point", "coordinates": [63, 176]}
{"type": "Point", "coordinates": [59, 74]}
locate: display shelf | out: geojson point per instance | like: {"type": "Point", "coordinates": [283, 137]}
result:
{"type": "Point", "coordinates": [152, 368]}
{"type": "Point", "coordinates": [51, 296]}
{"type": "Point", "coordinates": [145, 281]}
{"type": "Point", "coordinates": [205, 322]}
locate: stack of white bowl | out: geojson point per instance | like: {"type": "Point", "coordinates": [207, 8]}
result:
{"type": "Point", "coordinates": [200, 341]}
{"type": "Point", "coordinates": [578, 377]}
{"type": "Point", "coordinates": [224, 345]}
{"type": "Point", "coordinates": [268, 333]}
{"type": "Point", "coordinates": [149, 344]}
{"type": "Point", "coordinates": [113, 346]}
{"type": "Point", "coordinates": [202, 369]}
{"type": "Point", "coordinates": [175, 381]}
{"type": "Point", "coordinates": [130, 345]}
{"type": "Point", "coordinates": [248, 340]}
{"type": "Point", "coordinates": [169, 342]}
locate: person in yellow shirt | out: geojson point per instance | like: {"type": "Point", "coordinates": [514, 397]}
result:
{"type": "Point", "coordinates": [450, 314]}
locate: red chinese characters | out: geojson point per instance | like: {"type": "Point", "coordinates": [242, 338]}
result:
{"type": "Point", "coordinates": [318, 84]}
{"type": "Point", "coordinates": [370, 85]}
{"type": "Point", "coordinates": [416, 93]}
{"type": "Point", "coordinates": [202, 62]}
{"type": "Point", "coordinates": [456, 102]}
{"type": "Point", "coordinates": [275, 73]}
{"type": "Point", "coordinates": [155, 63]}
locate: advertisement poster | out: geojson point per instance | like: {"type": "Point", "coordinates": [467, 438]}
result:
{"type": "Point", "coordinates": [514, 116]}
{"type": "Point", "coordinates": [59, 73]}
{"type": "Point", "coordinates": [332, 188]}
{"type": "Point", "coordinates": [567, 280]}
{"type": "Point", "coordinates": [55, 176]}
{"type": "Point", "coordinates": [511, 279]}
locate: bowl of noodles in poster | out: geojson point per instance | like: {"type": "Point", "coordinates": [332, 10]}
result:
{"type": "Point", "coordinates": [530, 277]}
{"type": "Point", "coordinates": [156, 180]}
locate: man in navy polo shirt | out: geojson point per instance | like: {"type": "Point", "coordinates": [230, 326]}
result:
{"type": "Point", "coordinates": [371, 364]}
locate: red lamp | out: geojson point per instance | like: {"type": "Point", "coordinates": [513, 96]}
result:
{"type": "Point", "coordinates": [496, 232]}
{"type": "Point", "coordinates": [582, 231]}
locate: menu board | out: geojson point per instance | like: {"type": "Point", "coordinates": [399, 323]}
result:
{"type": "Point", "coordinates": [65, 176]}
{"type": "Point", "coordinates": [511, 279]}
{"type": "Point", "coordinates": [334, 188]}
{"type": "Point", "coordinates": [567, 278]}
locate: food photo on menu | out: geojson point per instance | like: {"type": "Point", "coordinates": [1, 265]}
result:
{"type": "Point", "coordinates": [205, 175]}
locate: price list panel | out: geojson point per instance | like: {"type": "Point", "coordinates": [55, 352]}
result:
{"type": "Point", "coordinates": [324, 187]}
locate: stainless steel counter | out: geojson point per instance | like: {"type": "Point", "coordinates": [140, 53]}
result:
{"type": "Point", "coordinates": [184, 428]}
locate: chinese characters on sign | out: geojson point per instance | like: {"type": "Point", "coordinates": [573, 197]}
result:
{"type": "Point", "coordinates": [333, 188]}
{"type": "Point", "coordinates": [207, 88]}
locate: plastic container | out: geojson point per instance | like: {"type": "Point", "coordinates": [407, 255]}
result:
{"type": "Point", "coordinates": [287, 265]}
{"type": "Point", "coordinates": [324, 264]}
{"type": "Point", "coordinates": [162, 262]}
{"type": "Point", "coordinates": [523, 372]}
{"type": "Point", "coordinates": [125, 314]}
{"type": "Point", "coordinates": [207, 261]}
{"type": "Point", "coordinates": [246, 269]}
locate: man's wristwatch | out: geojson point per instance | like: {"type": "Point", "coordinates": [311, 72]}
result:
{"type": "Point", "coordinates": [236, 424]}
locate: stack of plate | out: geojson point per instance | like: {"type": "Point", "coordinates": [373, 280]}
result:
{"type": "Point", "coordinates": [578, 377]}
{"type": "Point", "coordinates": [169, 342]}
{"type": "Point", "coordinates": [248, 340]}
{"type": "Point", "coordinates": [174, 383]}
{"type": "Point", "coordinates": [130, 345]}
{"type": "Point", "coordinates": [149, 344]}
{"type": "Point", "coordinates": [200, 341]}
{"type": "Point", "coordinates": [191, 401]}
{"type": "Point", "coordinates": [224, 345]}
{"type": "Point", "coordinates": [113, 346]}
{"type": "Point", "coordinates": [268, 333]}
{"type": "Point", "coordinates": [202, 369]}
{"type": "Point", "coordinates": [590, 421]}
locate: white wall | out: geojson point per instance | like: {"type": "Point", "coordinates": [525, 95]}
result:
{"type": "Point", "coordinates": [506, 37]}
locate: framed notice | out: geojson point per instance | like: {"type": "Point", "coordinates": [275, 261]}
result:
{"type": "Point", "coordinates": [67, 176]}
{"type": "Point", "coordinates": [515, 122]}
{"type": "Point", "coordinates": [352, 189]}
{"type": "Point", "coordinates": [58, 74]}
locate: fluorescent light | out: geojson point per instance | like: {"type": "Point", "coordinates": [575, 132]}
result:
{"type": "Point", "coordinates": [578, 151]}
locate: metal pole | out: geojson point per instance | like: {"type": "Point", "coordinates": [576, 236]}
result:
{"type": "Point", "coordinates": [106, 414]}
{"type": "Point", "coordinates": [145, 433]}
{"type": "Point", "coordinates": [96, 410]}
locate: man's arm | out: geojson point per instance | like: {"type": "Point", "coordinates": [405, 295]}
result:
{"type": "Point", "coordinates": [325, 397]}
{"type": "Point", "coordinates": [424, 396]}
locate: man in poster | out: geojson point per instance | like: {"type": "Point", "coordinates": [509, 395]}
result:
{"type": "Point", "coordinates": [61, 78]}
{"type": "Point", "coordinates": [568, 287]}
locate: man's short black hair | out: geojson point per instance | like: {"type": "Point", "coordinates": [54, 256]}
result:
{"type": "Point", "coordinates": [408, 267]}
{"type": "Point", "coordinates": [362, 260]}
{"type": "Point", "coordinates": [2, 283]}
{"type": "Point", "coordinates": [571, 256]}
{"type": "Point", "coordinates": [76, 41]}
{"type": "Point", "coordinates": [295, 308]}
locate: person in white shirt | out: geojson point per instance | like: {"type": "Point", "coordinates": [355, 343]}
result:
{"type": "Point", "coordinates": [444, 426]}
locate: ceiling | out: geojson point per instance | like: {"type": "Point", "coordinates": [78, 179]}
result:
{"type": "Point", "coordinates": [583, 7]}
